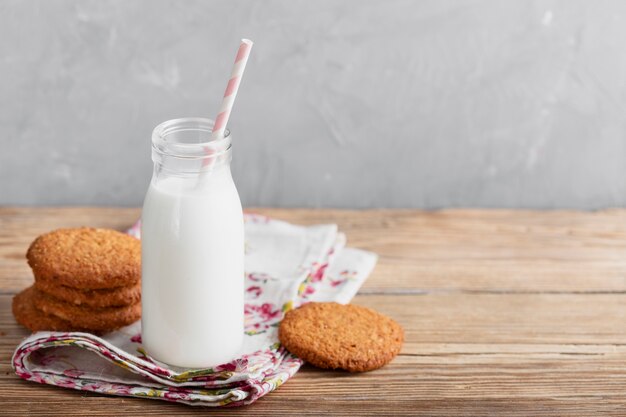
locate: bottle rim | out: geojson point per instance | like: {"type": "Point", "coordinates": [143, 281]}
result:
{"type": "Point", "coordinates": [189, 138]}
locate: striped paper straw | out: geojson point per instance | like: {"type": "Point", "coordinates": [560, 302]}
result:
{"type": "Point", "coordinates": [231, 89]}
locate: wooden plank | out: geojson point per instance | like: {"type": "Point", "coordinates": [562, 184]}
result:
{"type": "Point", "coordinates": [452, 250]}
{"type": "Point", "coordinates": [485, 250]}
{"type": "Point", "coordinates": [505, 354]}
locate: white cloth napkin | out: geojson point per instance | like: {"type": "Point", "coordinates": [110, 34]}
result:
{"type": "Point", "coordinates": [286, 265]}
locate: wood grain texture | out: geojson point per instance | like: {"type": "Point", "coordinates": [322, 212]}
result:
{"type": "Point", "coordinates": [469, 250]}
{"type": "Point", "coordinates": [506, 313]}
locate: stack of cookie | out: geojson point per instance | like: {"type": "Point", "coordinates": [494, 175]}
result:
{"type": "Point", "coordinates": [85, 279]}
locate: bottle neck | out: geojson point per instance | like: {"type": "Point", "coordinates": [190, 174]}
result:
{"type": "Point", "coordinates": [166, 165]}
{"type": "Point", "coordinates": [184, 148]}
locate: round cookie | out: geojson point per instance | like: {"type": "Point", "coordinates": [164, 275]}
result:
{"type": "Point", "coordinates": [115, 297]}
{"type": "Point", "coordinates": [102, 319]}
{"type": "Point", "coordinates": [35, 320]}
{"type": "Point", "coordinates": [86, 258]}
{"type": "Point", "coordinates": [336, 336]}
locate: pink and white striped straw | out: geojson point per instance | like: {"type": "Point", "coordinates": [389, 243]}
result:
{"type": "Point", "coordinates": [231, 89]}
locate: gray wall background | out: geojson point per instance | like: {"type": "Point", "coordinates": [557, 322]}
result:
{"type": "Point", "coordinates": [344, 103]}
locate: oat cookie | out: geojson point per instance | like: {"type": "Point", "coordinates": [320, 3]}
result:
{"type": "Point", "coordinates": [29, 316]}
{"type": "Point", "coordinates": [115, 297]}
{"type": "Point", "coordinates": [97, 319]}
{"type": "Point", "coordinates": [86, 258]}
{"type": "Point", "coordinates": [336, 336]}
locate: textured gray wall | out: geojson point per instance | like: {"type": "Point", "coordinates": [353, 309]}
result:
{"type": "Point", "coordinates": [344, 103]}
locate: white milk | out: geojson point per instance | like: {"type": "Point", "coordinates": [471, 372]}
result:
{"type": "Point", "coordinates": [192, 268]}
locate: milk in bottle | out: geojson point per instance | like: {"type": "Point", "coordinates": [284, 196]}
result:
{"type": "Point", "coordinates": [192, 249]}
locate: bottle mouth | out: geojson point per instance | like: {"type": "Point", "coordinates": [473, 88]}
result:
{"type": "Point", "coordinates": [189, 138]}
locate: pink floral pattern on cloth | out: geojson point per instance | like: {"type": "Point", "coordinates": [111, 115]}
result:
{"type": "Point", "coordinates": [286, 265]}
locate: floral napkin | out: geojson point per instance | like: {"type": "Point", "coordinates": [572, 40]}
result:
{"type": "Point", "coordinates": [286, 265]}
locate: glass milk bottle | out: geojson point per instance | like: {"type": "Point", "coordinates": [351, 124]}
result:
{"type": "Point", "coordinates": [192, 249]}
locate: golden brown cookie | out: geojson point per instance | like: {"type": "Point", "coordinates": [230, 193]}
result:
{"type": "Point", "coordinates": [30, 317]}
{"type": "Point", "coordinates": [336, 336]}
{"type": "Point", "coordinates": [115, 297]}
{"type": "Point", "coordinates": [97, 319]}
{"type": "Point", "coordinates": [86, 258]}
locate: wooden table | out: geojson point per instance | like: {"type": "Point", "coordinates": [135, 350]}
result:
{"type": "Point", "coordinates": [506, 313]}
